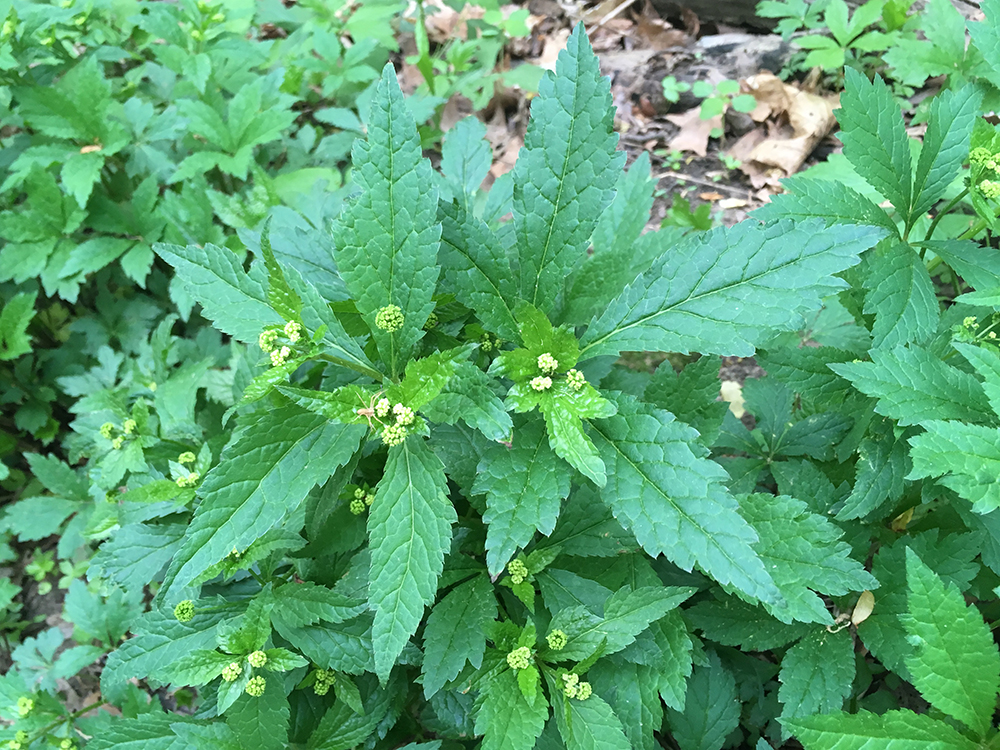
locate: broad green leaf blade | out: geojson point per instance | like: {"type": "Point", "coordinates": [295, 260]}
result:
{"type": "Point", "coordinates": [264, 474]}
{"type": "Point", "coordinates": [673, 499]}
{"type": "Point", "coordinates": [816, 674]}
{"type": "Point", "coordinates": [307, 603]}
{"type": "Point", "coordinates": [883, 462]}
{"type": "Point", "coordinates": [469, 397]}
{"type": "Point", "coordinates": [723, 291]}
{"type": "Point", "coordinates": [987, 364]}
{"type": "Point", "coordinates": [524, 485]}
{"type": "Point", "coordinates": [426, 377]}
{"type": "Point", "coordinates": [804, 553]}
{"type": "Point", "coordinates": [475, 268]}
{"type": "Point", "coordinates": [633, 692]}
{"type": "Point", "coordinates": [893, 730]}
{"type": "Point", "coordinates": [622, 223]}
{"type": "Point", "coordinates": [914, 386]}
{"type": "Point", "coordinates": [690, 395]}
{"type": "Point", "coordinates": [15, 317]}
{"type": "Point", "coordinates": [945, 144]}
{"type": "Point", "coordinates": [874, 138]}
{"type": "Point", "coordinates": [808, 198]}
{"type": "Point", "coordinates": [409, 528]}
{"type": "Point", "coordinates": [986, 36]}
{"type": "Point", "coordinates": [590, 725]}
{"type": "Point", "coordinates": [345, 647]}
{"type": "Point", "coordinates": [285, 301]}
{"type": "Point", "coordinates": [236, 303]}
{"type": "Point", "coordinates": [733, 622]}
{"type": "Point", "coordinates": [261, 723]}
{"type": "Point", "coordinates": [466, 158]}
{"type": "Point", "coordinates": [136, 553]}
{"type": "Point", "coordinates": [564, 409]}
{"type": "Point", "coordinates": [566, 172]}
{"type": "Point", "coordinates": [456, 632]}
{"type": "Point", "coordinates": [505, 718]}
{"type": "Point", "coordinates": [901, 297]}
{"type": "Point", "coordinates": [341, 728]}
{"type": "Point", "coordinates": [711, 709]}
{"type": "Point", "coordinates": [387, 240]}
{"type": "Point", "coordinates": [955, 663]}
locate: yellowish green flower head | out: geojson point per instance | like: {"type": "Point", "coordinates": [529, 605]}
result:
{"type": "Point", "coordinates": [128, 427]}
{"type": "Point", "coordinates": [389, 318]}
{"type": "Point", "coordinates": [584, 691]}
{"type": "Point", "coordinates": [519, 658]}
{"type": "Point", "coordinates": [517, 571]}
{"type": "Point", "coordinates": [980, 155]}
{"type": "Point", "coordinates": [547, 363]}
{"type": "Point", "coordinates": [970, 322]}
{"type": "Point", "coordinates": [232, 671]}
{"type": "Point", "coordinates": [67, 744]}
{"type": "Point", "coordinates": [432, 321]}
{"type": "Point", "coordinates": [267, 340]}
{"type": "Point", "coordinates": [369, 498]}
{"type": "Point", "coordinates": [359, 494]}
{"type": "Point", "coordinates": [256, 685]}
{"type": "Point", "coordinates": [293, 331]}
{"type": "Point", "coordinates": [118, 442]}
{"type": "Point", "coordinates": [190, 480]}
{"type": "Point", "coordinates": [25, 706]}
{"type": "Point", "coordinates": [357, 506]}
{"type": "Point", "coordinates": [990, 189]}
{"type": "Point", "coordinates": [324, 679]}
{"type": "Point", "coordinates": [404, 414]}
{"type": "Point", "coordinates": [187, 457]}
{"type": "Point", "coordinates": [570, 684]}
{"type": "Point", "coordinates": [257, 659]}
{"type": "Point", "coordinates": [541, 383]}
{"type": "Point", "coordinates": [557, 640]}
{"type": "Point", "coordinates": [575, 379]}
{"type": "Point", "coordinates": [394, 434]}
{"type": "Point", "coordinates": [280, 356]}
{"type": "Point", "coordinates": [107, 430]}
{"type": "Point", "coordinates": [184, 611]}
{"type": "Point", "coordinates": [382, 408]}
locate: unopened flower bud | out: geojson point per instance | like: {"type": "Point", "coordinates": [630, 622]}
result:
{"type": "Point", "coordinates": [557, 640]}
{"type": "Point", "coordinates": [128, 427]}
{"type": "Point", "coordinates": [584, 691]}
{"type": "Point", "coordinates": [267, 339]}
{"type": "Point", "coordinates": [256, 685]}
{"type": "Point", "coordinates": [25, 706]}
{"type": "Point", "coordinates": [389, 318]}
{"type": "Point", "coordinates": [257, 659]}
{"type": "Point", "coordinates": [118, 442]}
{"type": "Point", "coordinates": [547, 363]}
{"type": "Point", "coordinates": [107, 429]}
{"type": "Point", "coordinates": [394, 434]}
{"type": "Point", "coordinates": [184, 611]}
{"type": "Point", "coordinates": [187, 457]}
{"type": "Point", "coordinates": [382, 408]}
{"type": "Point", "coordinates": [570, 683]}
{"type": "Point", "coordinates": [541, 383]}
{"type": "Point", "coordinates": [404, 414]}
{"type": "Point", "coordinates": [357, 507]}
{"type": "Point", "coordinates": [575, 379]}
{"type": "Point", "coordinates": [519, 658]}
{"type": "Point", "coordinates": [232, 672]}
{"type": "Point", "coordinates": [293, 331]}
{"type": "Point", "coordinates": [517, 570]}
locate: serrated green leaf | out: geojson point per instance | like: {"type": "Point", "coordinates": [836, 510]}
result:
{"type": "Point", "coordinates": [625, 219]}
{"type": "Point", "coordinates": [673, 499]}
{"type": "Point", "coordinates": [711, 709]}
{"type": "Point", "coordinates": [197, 667]}
{"type": "Point", "coordinates": [914, 386]}
{"type": "Point", "coordinates": [214, 277]}
{"type": "Point", "coordinates": [283, 299]}
{"type": "Point", "coordinates": [466, 158]}
{"type": "Point", "coordinates": [409, 528]}
{"type": "Point", "coordinates": [468, 396]}
{"type": "Point", "coordinates": [987, 364]}
{"type": "Point", "coordinates": [137, 552]}
{"type": "Point", "coordinates": [506, 718]}
{"type": "Point", "coordinates": [816, 674]}
{"type": "Point", "coordinates": [808, 198]}
{"type": "Point", "coordinates": [632, 692]}
{"type": "Point", "coordinates": [264, 474]}
{"type": "Point", "coordinates": [475, 268]}
{"type": "Point", "coordinates": [732, 622]}
{"type": "Point", "coordinates": [387, 240]}
{"type": "Point", "coordinates": [344, 647]}
{"type": "Point", "coordinates": [901, 297]}
{"type": "Point", "coordinates": [690, 395]}
{"type": "Point", "coordinates": [586, 527]}
{"type": "Point", "coordinates": [874, 138]}
{"type": "Point", "coordinates": [524, 485]}
{"type": "Point", "coordinates": [566, 172]}
{"type": "Point", "coordinates": [15, 318]}
{"type": "Point", "coordinates": [720, 291]}
{"type": "Point", "coordinates": [955, 664]}
{"type": "Point", "coordinates": [261, 722]}
{"type": "Point", "coordinates": [964, 456]}
{"type": "Point", "coordinates": [804, 554]}
{"type": "Point", "coordinates": [426, 377]}
{"type": "Point", "coordinates": [307, 603]}
{"type": "Point", "coordinates": [343, 729]}
{"type": "Point", "coordinates": [986, 36]}
{"type": "Point", "coordinates": [882, 464]}
{"type": "Point", "coordinates": [590, 725]}
{"type": "Point", "coordinates": [893, 730]}
{"type": "Point", "coordinates": [456, 632]}
{"type": "Point", "coordinates": [805, 370]}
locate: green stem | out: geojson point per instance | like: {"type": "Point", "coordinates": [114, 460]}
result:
{"type": "Point", "coordinates": [941, 214]}
{"type": "Point", "coordinates": [978, 226]}
{"type": "Point", "coordinates": [356, 366]}
{"type": "Point", "coordinates": [69, 717]}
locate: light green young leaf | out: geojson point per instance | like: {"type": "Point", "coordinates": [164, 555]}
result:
{"type": "Point", "coordinates": [809, 198]}
{"type": "Point", "coordinates": [409, 530]}
{"type": "Point", "coordinates": [893, 730]}
{"type": "Point", "coordinates": [874, 138]}
{"type": "Point", "coordinates": [261, 722]}
{"type": "Point", "coordinates": [469, 397]}
{"type": "Point", "coordinates": [804, 554]}
{"type": "Point", "coordinates": [387, 240]}
{"type": "Point", "coordinates": [466, 158]}
{"type": "Point", "coordinates": [673, 500]}
{"type": "Point", "coordinates": [901, 297]}
{"type": "Point", "coordinates": [214, 276]}
{"type": "Point", "coordinates": [15, 318]}
{"type": "Point", "coordinates": [307, 603]}
{"type": "Point", "coordinates": [264, 474]}
{"type": "Point", "coordinates": [986, 36]}
{"type": "Point", "coordinates": [966, 457]}
{"type": "Point", "coordinates": [566, 172]}
{"type": "Point", "coordinates": [506, 718]}
{"type": "Point", "coordinates": [816, 674]}
{"type": "Point", "coordinates": [456, 632]}
{"type": "Point", "coordinates": [711, 709]}
{"type": "Point", "coordinates": [882, 464]}
{"type": "Point", "coordinates": [425, 378]}
{"type": "Point", "coordinates": [722, 291]}
{"type": "Point", "coordinates": [197, 667]}
{"type": "Point", "coordinates": [914, 386]}
{"type": "Point", "coordinates": [955, 664]}
{"type": "Point", "coordinates": [987, 364]}
{"type": "Point", "coordinates": [524, 485]}
{"type": "Point", "coordinates": [285, 301]}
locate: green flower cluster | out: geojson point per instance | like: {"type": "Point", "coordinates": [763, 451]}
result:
{"type": "Point", "coordinates": [128, 426]}
{"type": "Point", "coordinates": [547, 363]}
{"type": "Point", "coordinates": [255, 686]}
{"type": "Point", "coordinates": [557, 640]}
{"type": "Point", "coordinates": [489, 343]}
{"type": "Point", "coordinates": [357, 506]}
{"type": "Point", "coordinates": [190, 480]}
{"type": "Point", "coordinates": [187, 457]}
{"type": "Point", "coordinates": [518, 571]}
{"type": "Point", "coordinates": [541, 383]}
{"type": "Point", "coordinates": [990, 189]}
{"type": "Point", "coordinates": [257, 659]}
{"type": "Point", "coordinates": [394, 434]}
{"type": "Point", "coordinates": [232, 671]}
{"type": "Point", "coordinates": [575, 379]}
{"type": "Point", "coordinates": [184, 611]}
{"type": "Point", "coordinates": [293, 331]}
{"type": "Point", "coordinates": [324, 680]}
{"type": "Point", "coordinates": [389, 318]}
{"type": "Point", "coordinates": [573, 688]}
{"type": "Point", "coordinates": [25, 706]}
{"type": "Point", "coordinates": [20, 740]}
{"type": "Point", "coordinates": [519, 658]}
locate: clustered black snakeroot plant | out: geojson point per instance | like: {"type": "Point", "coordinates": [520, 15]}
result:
{"type": "Point", "coordinates": [445, 516]}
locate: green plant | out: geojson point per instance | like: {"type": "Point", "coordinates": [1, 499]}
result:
{"type": "Point", "coordinates": [300, 613]}
{"type": "Point", "coordinates": [672, 88]}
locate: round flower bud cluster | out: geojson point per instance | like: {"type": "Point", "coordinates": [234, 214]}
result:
{"type": "Point", "coordinates": [118, 442]}
{"type": "Point", "coordinates": [432, 321]}
{"type": "Point", "coordinates": [232, 671]}
{"type": "Point", "coordinates": [67, 744]}
{"type": "Point", "coordinates": [257, 659]}
{"type": "Point", "coordinates": [190, 480]}
{"type": "Point", "coordinates": [489, 343]}
{"type": "Point", "coordinates": [280, 356]}
{"type": "Point", "coordinates": [187, 457]}
{"type": "Point", "coordinates": [970, 322]}
{"type": "Point", "coordinates": [324, 679]}
{"type": "Point", "coordinates": [547, 363]}
{"type": "Point", "coordinates": [107, 430]}
{"type": "Point", "coordinates": [394, 434]}
{"type": "Point", "coordinates": [584, 691]}
{"type": "Point", "coordinates": [389, 318]}
{"type": "Point", "coordinates": [382, 408]}
{"type": "Point", "coordinates": [518, 571]}
{"type": "Point", "coordinates": [519, 658]}
{"type": "Point", "coordinates": [573, 688]}
{"type": "Point", "coordinates": [575, 379]}
{"type": "Point", "coordinates": [557, 640]}
{"type": "Point", "coordinates": [404, 414]}
{"type": "Point", "coordinates": [184, 611]}
{"type": "Point", "coordinates": [255, 687]}
{"type": "Point", "coordinates": [990, 189]}
{"type": "Point", "coordinates": [293, 331]}
{"type": "Point", "coordinates": [128, 427]}
{"type": "Point", "coordinates": [980, 155]}
{"type": "Point", "coordinates": [357, 506]}
{"type": "Point", "coordinates": [541, 383]}
{"type": "Point", "coordinates": [267, 340]}
{"type": "Point", "coordinates": [25, 706]}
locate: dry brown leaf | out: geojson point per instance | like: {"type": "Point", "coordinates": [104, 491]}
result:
{"type": "Point", "coordinates": [710, 196]}
{"type": "Point", "coordinates": [864, 608]}
{"type": "Point", "coordinates": [655, 33]}
{"type": "Point", "coordinates": [554, 44]}
{"type": "Point", "coordinates": [732, 393]}
{"type": "Point", "coordinates": [694, 133]}
{"type": "Point", "coordinates": [728, 203]}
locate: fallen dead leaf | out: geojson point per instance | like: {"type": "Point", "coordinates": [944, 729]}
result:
{"type": "Point", "coordinates": [732, 393]}
{"type": "Point", "coordinates": [710, 196]}
{"type": "Point", "coordinates": [728, 203]}
{"type": "Point", "coordinates": [554, 44]}
{"type": "Point", "coordinates": [655, 33]}
{"type": "Point", "coordinates": [864, 608]}
{"type": "Point", "coordinates": [694, 133]}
